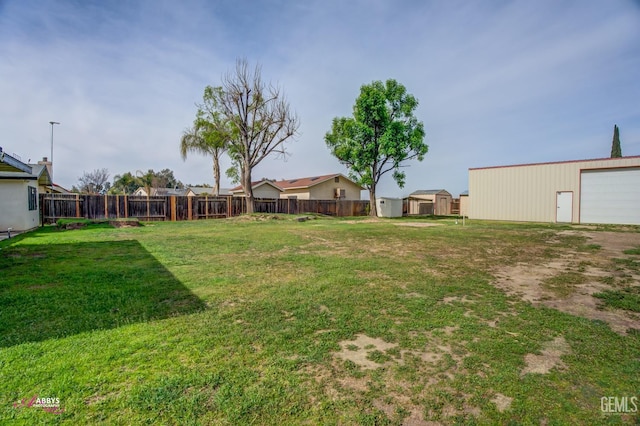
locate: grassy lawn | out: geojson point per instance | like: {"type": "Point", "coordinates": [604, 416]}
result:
{"type": "Point", "coordinates": [328, 321]}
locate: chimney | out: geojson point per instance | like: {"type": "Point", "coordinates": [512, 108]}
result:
{"type": "Point", "coordinates": [45, 162]}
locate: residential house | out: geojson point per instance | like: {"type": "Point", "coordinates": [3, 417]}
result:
{"type": "Point", "coordinates": [261, 189]}
{"type": "Point", "coordinates": [325, 187]}
{"type": "Point", "coordinates": [20, 185]}
{"type": "Point", "coordinates": [205, 190]}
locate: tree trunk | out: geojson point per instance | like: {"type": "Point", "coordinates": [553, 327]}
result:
{"type": "Point", "coordinates": [373, 210]}
{"type": "Point", "coordinates": [216, 176]}
{"type": "Point", "coordinates": [248, 189]}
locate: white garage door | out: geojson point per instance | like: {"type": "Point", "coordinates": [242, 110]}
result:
{"type": "Point", "coordinates": [610, 196]}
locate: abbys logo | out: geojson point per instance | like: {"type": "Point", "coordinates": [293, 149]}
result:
{"type": "Point", "coordinates": [51, 405]}
{"type": "Point", "coordinates": [619, 405]}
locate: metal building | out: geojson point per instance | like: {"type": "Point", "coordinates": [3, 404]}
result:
{"type": "Point", "coordinates": [583, 191]}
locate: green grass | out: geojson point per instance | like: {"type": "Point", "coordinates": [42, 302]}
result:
{"type": "Point", "coordinates": [633, 251]}
{"type": "Point", "coordinates": [237, 322]}
{"type": "Point", "coordinates": [627, 298]}
{"type": "Point", "coordinates": [564, 283]}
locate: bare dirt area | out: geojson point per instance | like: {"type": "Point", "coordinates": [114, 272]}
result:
{"type": "Point", "coordinates": [548, 358]}
{"type": "Point", "coordinates": [437, 360]}
{"type": "Point", "coordinates": [568, 282]}
{"type": "Point", "coordinates": [417, 224]}
{"type": "Point", "coordinates": [382, 221]}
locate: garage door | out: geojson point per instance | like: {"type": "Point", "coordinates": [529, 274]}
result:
{"type": "Point", "coordinates": [610, 196]}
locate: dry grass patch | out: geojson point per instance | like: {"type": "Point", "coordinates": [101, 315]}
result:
{"type": "Point", "coordinates": [550, 357]}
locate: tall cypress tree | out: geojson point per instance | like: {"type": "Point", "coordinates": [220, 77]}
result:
{"type": "Point", "coordinates": [616, 151]}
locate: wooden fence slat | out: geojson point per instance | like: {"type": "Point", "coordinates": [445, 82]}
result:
{"type": "Point", "coordinates": [177, 208]}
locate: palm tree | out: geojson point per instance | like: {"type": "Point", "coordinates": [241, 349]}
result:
{"type": "Point", "coordinates": [200, 139]}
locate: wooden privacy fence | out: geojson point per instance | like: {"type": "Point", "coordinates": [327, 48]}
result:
{"type": "Point", "coordinates": [173, 208]}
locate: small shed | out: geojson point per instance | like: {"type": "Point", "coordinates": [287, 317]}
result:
{"type": "Point", "coordinates": [429, 201]}
{"type": "Point", "coordinates": [389, 207]}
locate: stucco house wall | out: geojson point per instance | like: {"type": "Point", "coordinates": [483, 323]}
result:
{"type": "Point", "coordinates": [266, 191]}
{"type": "Point", "coordinates": [14, 205]}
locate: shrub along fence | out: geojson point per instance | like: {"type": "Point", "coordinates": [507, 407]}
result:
{"type": "Point", "coordinates": [174, 208]}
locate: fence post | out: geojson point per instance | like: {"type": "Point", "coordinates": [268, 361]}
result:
{"type": "Point", "coordinates": [206, 207]}
{"type": "Point", "coordinates": [126, 206]}
{"type": "Point", "coordinates": [148, 207]}
{"type": "Point", "coordinates": [77, 205]}
{"type": "Point", "coordinates": [117, 206]}
{"type": "Point", "coordinates": [189, 210]}
{"type": "Point", "coordinates": [173, 208]}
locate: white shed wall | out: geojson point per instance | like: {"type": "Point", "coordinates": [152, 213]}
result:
{"type": "Point", "coordinates": [528, 192]}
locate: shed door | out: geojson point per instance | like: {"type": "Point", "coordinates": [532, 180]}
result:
{"type": "Point", "coordinates": [564, 206]}
{"type": "Point", "coordinates": [425, 208]}
{"type": "Point", "coordinates": [610, 196]}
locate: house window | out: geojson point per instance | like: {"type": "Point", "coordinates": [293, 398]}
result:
{"type": "Point", "coordinates": [33, 198]}
{"type": "Point", "coordinates": [336, 179]}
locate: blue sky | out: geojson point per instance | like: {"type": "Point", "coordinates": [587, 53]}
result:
{"type": "Point", "coordinates": [499, 82]}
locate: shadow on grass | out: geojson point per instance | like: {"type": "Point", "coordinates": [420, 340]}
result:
{"type": "Point", "coordinates": [56, 290]}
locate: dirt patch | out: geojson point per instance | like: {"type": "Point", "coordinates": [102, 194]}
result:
{"type": "Point", "coordinates": [386, 221]}
{"type": "Point", "coordinates": [502, 402]}
{"type": "Point", "coordinates": [530, 282]}
{"type": "Point", "coordinates": [361, 350]}
{"type": "Point", "coordinates": [548, 358]}
{"type": "Point", "coordinates": [451, 299]}
{"type": "Point", "coordinates": [417, 224]}
{"type": "Point", "coordinates": [124, 223]}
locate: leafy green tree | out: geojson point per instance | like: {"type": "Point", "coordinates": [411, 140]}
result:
{"type": "Point", "coordinates": [125, 183]}
{"type": "Point", "coordinates": [165, 179]}
{"type": "Point", "coordinates": [616, 150]}
{"type": "Point", "coordinates": [382, 134]}
{"type": "Point", "coordinates": [209, 135]}
{"type": "Point", "coordinates": [252, 117]}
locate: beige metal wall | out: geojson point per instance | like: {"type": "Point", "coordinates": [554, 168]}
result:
{"type": "Point", "coordinates": [464, 205]}
{"type": "Point", "coordinates": [528, 192]}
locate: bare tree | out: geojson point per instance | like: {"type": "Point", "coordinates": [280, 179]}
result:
{"type": "Point", "coordinates": [95, 182]}
{"type": "Point", "coordinates": [254, 119]}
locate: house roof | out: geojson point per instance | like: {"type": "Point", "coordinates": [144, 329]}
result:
{"type": "Point", "coordinates": [308, 182]}
{"type": "Point", "coordinates": [255, 185]}
{"type": "Point", "coordinates": [464, 193]}
{"type": "Point", "coordinates": [429, 192]}
{"type": "Point", "coordinates": [201, 190]}
{"type": "Point", "coordinates": [9, 163]}
{"type": "Point", "coordinates": [169, 191]}
{"type": "Point", "coordinates": [12, 168]}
